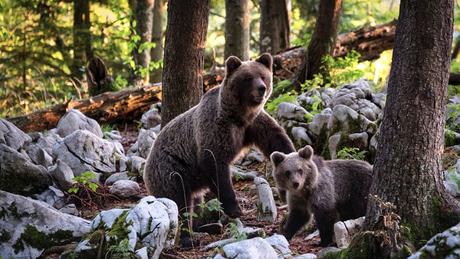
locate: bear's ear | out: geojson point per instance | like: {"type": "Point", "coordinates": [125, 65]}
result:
{"type": "Point", "coordinates": [266, 60]}
{"type": "Point", "coordinates": [306, 152]}
{"type": "Point", "coordinates": [231, 64]}
{"type": "Point", "coordinates": [277, 157]}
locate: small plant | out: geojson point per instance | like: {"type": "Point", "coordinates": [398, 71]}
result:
{"type": "Point", "coordinates": [235, 232]}
{"type": "Point", "coordinates": [106, 128]}
{"type": "Point", "coordinates": [85, 179]}
{"type": "Point", "coordinates": [351, 153]}
{"type": "Point", "coordinates": [272, 105]}
{"type": "Point", "coordinates": [120, 250]}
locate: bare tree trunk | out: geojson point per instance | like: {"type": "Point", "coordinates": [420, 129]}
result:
{"type": "Point", "coordinates": [184, 56]}
{"type": "Point", "coordinates": [143, 13]}
{"type": "Point", "coordinates": [323, 40]}
{"type": "Point", "coordinates": [274, 26]}
{"type": "Point", "coordinates": [157, 38]}
{"type": "Point", "coordinates": [81, 36]}
{"type": "Point", "coordinates": [407, 170]}
{"type": "Point", "coordinates": [237, 28]}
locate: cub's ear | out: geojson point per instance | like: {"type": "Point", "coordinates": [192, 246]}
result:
{"type": "Point", "coordinates": [231, 64]}
{"type": "Point", "coordinates": [266, 60]}
{"type": "Point", "coordinates": [277, 157]}
{"type": "Point", "coordinates": [306, 152]}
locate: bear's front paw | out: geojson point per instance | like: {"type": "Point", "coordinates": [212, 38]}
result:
{"type": "Point", "coordinates": [233, 211]}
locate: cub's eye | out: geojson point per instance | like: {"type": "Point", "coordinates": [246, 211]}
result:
{"type": "Point", "coordinates": [247, 79]}
{"type": "Point", "coordinates": [288, 173]}
{"type": "Point", "coordinates": [263, 78]}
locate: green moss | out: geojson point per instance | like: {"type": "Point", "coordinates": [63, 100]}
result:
{"type": "Point", "coordinates": [36, 239]}
{"type": "Point", "coordinates": [4, 236]}
{"type": "Point", "coordinates": [449, 138]}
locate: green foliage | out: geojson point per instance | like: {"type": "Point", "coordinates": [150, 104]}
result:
{"type": "Point", "coordinates": [453, 114]}
{"type": "Point", "coordinates": [235, 232]}
{"type": "Point", "coordinates": [272, 104]}
{"type": "Point", "coordinates": [106, 128]}
{"type": "Point", "coordinates": [120, 250]}
{"type": "Point", "coordinates": [351, 153]}
{"type": "Point", "coordinates": [453, 176]}
{"type": "Point", "coordinates": [85, 179]}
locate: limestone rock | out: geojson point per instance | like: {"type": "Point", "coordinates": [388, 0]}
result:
{"type": "Point", "coordinates": [442, 245]}
{"type": "Point", "coordinates": [62, 175]}
{"type": "Point", "coordinates": [344, 231]}
{"type": "Point", "coordinates": [116, 177]}
{"type": "Point", "coordinates": [300, 136]}
{"type": "Point", "coordinates": [266, 207]}
{"type": "Point", "coordinates": [152, 117]}
{"type": "Point", "coordinates": [19, 175]}
{"type": "Point", "coordinates": [12, 136]}
{"type": "Point", "coordinates": [291, 111]}
{"type": "Point", "coordinates": [253, 248]}
{"type": "Point", "coordinates": [125, 188]}
{"type": "Point", "coordinates": [143, 144]}
{"type": "Point", "coordinates": [83, 151]}
{"type": "Point", "coordinates": [74, 120]}
{"type": "Point", "coordinates": [30, 226]}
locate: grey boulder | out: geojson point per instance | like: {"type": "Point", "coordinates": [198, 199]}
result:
{"type": "Point", "coordinates": [30, 226]}
{"type": "Point", "coordinates": [74, 120]}
{"type": "Point", "coordinates": [143, 144]}
{"type": "Point", "coordinates": [12, 136]}
{"type": "Point", "coordinates": [19, 175]}
{"type": "Point", "coordinates": [125, 188]}
{"type": "Point", "coordinates": [83, 151]}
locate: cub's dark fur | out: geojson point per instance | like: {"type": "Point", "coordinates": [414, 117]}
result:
{"type": "Point", "coordinates": [193, 152]}
{"type": "Point", "coordinates": [333, 190]}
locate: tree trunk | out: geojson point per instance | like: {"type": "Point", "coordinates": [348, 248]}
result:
{"type": "Point", "coordinates": [323, 40]}
{"type": "Point", "coordinates": [143, 13]}
{"type": "Point", "coordinates": [184, 56]}
{"type": "Point", "coordinates": [237, 29]}
{"type": "Point", "coordinates": [81, 36]}
{"type": "Point", "coordinates": [274, 26]}
{"type": "Point", "coordinates": [407, 170]}
{"type": "Point", "coordinates": [157, 39]}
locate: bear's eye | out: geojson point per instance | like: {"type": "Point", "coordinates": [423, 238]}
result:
{"type": "Point", "coordinates": [248, 78]}
{"type": "Point", "coordinates": [288, 173]}
{"type": "Point", "coordinates": [263, 78]}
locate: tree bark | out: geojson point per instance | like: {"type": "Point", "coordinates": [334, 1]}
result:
{"type": "Point", "coordinates": [323, 40]}
{"type": "Point", "coordinates": [81, 36]}
{"type": "Point", "coordinates": [274, 26]}
{"type": "Point", "coordinates": [184, 56]}
{"type": "Point", "coordinates": [237, 29]}
{"type": "Point", "coordinates": [109, 107]}
{"type": "Point", "coordinates": [407, 169]}
{"type": "Point", "coordinates": [157, 38]}
{"type": "Point", "coordinates": [143, 13]}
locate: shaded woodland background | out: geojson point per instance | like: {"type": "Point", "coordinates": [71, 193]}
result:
{"type": "Point", "coordinates": [46, 44]}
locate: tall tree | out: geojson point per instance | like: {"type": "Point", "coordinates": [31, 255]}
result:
{"type": "Point", "coordinates": [157, 38]}
{"type": "Point", "coordinates": [323, 39]}
{"type": "Point", "coordinates": [407, 170]}
{"type": "Point", "coordinates": [143, 14]}
{"type": "Point", "coordinates": [82, 50]}
{"type": "Point", "coordinates": [237, 28]}
{"type": "Point", "coordinates": [183, 56]}
{"type": "Point", "coordinates": [274, 26]}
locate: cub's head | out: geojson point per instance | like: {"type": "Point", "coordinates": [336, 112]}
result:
{"type": "Point", "coordinates": [295, 171]}
{"type": "Point", "coordinates": [248, 84]}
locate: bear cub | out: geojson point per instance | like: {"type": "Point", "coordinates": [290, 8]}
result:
{"type": "Point", "coordinates": [193, 152]}
{"type": "Point", "coordinates": [332, 190]}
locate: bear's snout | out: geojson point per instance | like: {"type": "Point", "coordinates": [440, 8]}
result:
{"type": "Point", "coordinates": [261, 89]}
{"type": "Point", "coordinates": [295, 185]}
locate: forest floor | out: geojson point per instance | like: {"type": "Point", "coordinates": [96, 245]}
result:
{"type": "Point", "coordinates": [246, 195]}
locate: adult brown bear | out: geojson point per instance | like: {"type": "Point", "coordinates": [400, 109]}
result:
{"type": "Point", "coordinates": [193, 152]}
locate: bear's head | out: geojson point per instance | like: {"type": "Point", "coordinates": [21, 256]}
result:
{"type": "Point", "coordinates": [296, 171]}
{"type": "Point", "coordinates": [247, 85]}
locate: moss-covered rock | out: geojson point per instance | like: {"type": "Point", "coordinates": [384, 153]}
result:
{"type": "Point", "coordinates": [30, 226]}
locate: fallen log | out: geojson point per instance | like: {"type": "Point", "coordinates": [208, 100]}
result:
{"type": "Point", "coordinates": [107, 107]}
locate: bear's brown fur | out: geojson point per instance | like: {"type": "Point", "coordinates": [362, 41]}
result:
{"type": "Point", "coordinates": [193, 152]}
{"type": "Point", "coordinates": [333, 190]}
